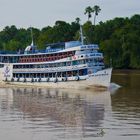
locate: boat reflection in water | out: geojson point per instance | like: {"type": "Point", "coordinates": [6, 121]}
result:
{"type": "Point", "coordinates": [57, 114]}
{"type": "Point", "coordinates": [63, 111]}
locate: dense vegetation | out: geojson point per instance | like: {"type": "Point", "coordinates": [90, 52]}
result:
{"type": "Point", "coordinates": [119, 39]}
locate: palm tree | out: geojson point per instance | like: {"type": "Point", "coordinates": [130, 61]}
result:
{"type": "Point", "coordinates": [88, 11]}
{"type": "Point", "coordinates": [77, 20]}
{"type": "Point", "coordinates": [96, 9]}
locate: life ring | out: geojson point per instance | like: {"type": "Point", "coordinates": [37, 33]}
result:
{"type": "Point", "coordinates": [47, 79]}
{"type": "Point", "coordinates": [18, 79]}
{"type": "Point", "coordinates": [77, 78]}
{"type": "Point", "coordinates": [12, 79]}
{"type": "Point", "coordinates": [64, 79]}
{"type": "Point", "coordinates": [55, 80]}
{"type": "Point", "coordinates": [39, 80]}
{"type": "Point", "coordinates": [32, 80]}
{"type": "Point", "coordinates": [24, 80]}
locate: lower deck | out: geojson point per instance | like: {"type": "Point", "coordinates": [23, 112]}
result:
{"type": "Point", "coordinates": [46, 74]}
{"type": "Point", "coordinates": [99, 79]}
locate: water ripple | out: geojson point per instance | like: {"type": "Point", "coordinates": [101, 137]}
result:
{"type": "Point", "coordinates": [27, 113]}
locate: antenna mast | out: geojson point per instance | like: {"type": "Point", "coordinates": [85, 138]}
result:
{"type": "Point", "coordinates": [32, 44]}
{"type": "Point", "coordinates": [81, 34]}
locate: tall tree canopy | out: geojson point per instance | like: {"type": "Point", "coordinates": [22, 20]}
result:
{"type": "Point", "coordinates": [96, 9]}
{"type": "Point", "coordinates": [88, 11]}
{"type": "Point", "coordinates": [119, 38]}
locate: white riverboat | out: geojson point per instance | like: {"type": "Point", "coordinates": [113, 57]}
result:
{"type": "Point", "coordinates": [62, 65]}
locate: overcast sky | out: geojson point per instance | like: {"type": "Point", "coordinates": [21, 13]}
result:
{"type": "Point", "coordinates": [41, 13]}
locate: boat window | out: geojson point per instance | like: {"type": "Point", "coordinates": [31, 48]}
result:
{"type": "Point", "coordinates": [38, 75]}
{"type": "Point", "coordinates": [14, 75]}
{"type": "Point", "coordinates": [54, 74]}
{"type": "Point", "coordinates": [20, 75]}
{"type": "Point", "coordinates": [34, 66]}
{"type": "Point", "coordinates": [64, 64]}
{"type": "Point", "coordinates": [31, 66]}
{"type": "Point", "coordinates": [35, 75]}
{"type": "Point", "coordinates": [46, 75]}
{"type": "Point", "coordinates": [68, 63]}
{"type": "Point", "coordinates": [69, 73]}
{"type": "Point", "coordinates": [63, 74]}
{"type": "Point", "coordinates": [75, 73]}
{"type": "Point", "coordinates": [80, 72]}
{"type": "Point", "coordinates": [50, 75]}
{"type": "Point", "coordinates": [56, 64]}
{"type": "Point", "coordinates": [59, 74]}
{"type": "Point", "coordinates": [42, 75]}
{"type": "Point", "coordinates": [27, 75]}
{"type": "Point", "coordinates": [74, 63]}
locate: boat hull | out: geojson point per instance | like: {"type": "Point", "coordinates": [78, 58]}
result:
{"type": "Point", "coordinates": [101, 78]}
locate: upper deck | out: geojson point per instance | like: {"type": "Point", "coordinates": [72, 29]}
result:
{"type": "Point", "coordinates": [49, 50]}
{"type": "Point", "coordinates": [30, 55]}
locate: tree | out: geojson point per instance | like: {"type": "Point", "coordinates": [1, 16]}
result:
{"type": "Point", "coordinates": [96, 9]}
{"type": "Point", "coordinates": [88, 11]}
{"type": "Point", "coordinates": [13, 45]}
{"type": "Point", "coordinates": [119, 38]}
{"type": "Point", "coordinates": [77, 20]}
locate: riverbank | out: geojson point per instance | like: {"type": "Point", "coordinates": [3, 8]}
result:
{"type": "Point", "coordinates": [126, 71]}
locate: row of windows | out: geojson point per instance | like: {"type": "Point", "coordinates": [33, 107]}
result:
{"type": "Point", "coordinates": [70, 63]}
{"type": "Point", "coordinates": [81, 72]}
{"type": "Point", "coordinates": [49, 55]}
{"type": "Point", "coordinates": [43, 59]}
{"type": "Point", "coordinates": [36, 58]}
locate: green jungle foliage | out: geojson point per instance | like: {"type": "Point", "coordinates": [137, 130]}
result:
{"type": "Point", "coordinates": [119, 39]}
